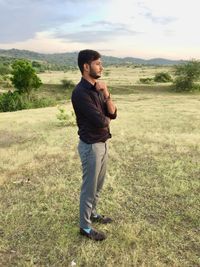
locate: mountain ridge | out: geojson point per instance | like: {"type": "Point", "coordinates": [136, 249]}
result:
{"type": "Point", "coordinates": [70, 58]}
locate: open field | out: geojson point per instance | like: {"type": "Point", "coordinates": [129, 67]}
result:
{"type": "Point", "coordinates": [112, 75]}
{"type": "Point", "coordinates": [151, 191]}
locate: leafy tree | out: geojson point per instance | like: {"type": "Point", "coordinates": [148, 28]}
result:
{"type": "Point", "coordinates": [187, 74]}
{"type": "Point", "coordinates": [162, 77]}
{"type": "Point", "coordinates": [24, 77]}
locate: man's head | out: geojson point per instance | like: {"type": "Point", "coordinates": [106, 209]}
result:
{"type": "Point", "coordinates": [89, 62]}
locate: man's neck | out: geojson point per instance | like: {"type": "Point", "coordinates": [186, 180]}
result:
{"type": "Point", "coordinates": [89, 79]}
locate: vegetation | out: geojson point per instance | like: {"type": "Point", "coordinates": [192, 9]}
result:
{"type": "Point", "coordinates": [13, 101]}
{"type": "Point", "coordinates": [162, 77]}
{"type": "Point", "coordinates": [24, 77]}
{"type": "Point", "coordinates": [186, 76]}
{"type": "Point", "coordinates": [66, 119]}
{"type": "Point", "coordinates": [4, 69]}
{"type": "Point", "coordinates": [25, 80]}
{"type": "Point", "coordinates": [68, 60]}
{"type": "Point", "coordinates": [5, 81]}
{"type": "Point", "coordinates": [68, 84]}
{"type": "Point", "coordinates": [151, 190]}
{"type": "Point", "coordinates": [147, 80]}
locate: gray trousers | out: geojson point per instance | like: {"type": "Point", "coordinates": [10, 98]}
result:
{"type": "Point", "coordinates": [94, 160]}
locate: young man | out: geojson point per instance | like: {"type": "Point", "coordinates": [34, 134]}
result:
{"type": "Point", "coordinates": [94, 110]}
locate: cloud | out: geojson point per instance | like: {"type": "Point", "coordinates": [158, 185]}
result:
{"type": "Point", "coordinates": [159, 20]}
{"type": "Point", "coordinates": [102, 23]}
{"type": "Point", "coordinates": [99, 31]}
{"type": "Point", "coordinates": [22, 19]}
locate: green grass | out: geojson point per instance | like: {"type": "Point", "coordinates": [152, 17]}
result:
{"type": "Point", "coordinates": [151, 191]}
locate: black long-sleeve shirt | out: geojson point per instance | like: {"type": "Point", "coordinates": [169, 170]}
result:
{"type": "Point", "coordinates": [91, 113]}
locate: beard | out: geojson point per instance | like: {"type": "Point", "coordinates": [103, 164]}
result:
{"type": "Point", "coordinates": [93, 74]}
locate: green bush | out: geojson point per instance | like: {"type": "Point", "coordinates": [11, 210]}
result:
{"type": "Point", "coordinates": [36, 102]}
{"type": "Point", "coordinates": [68, 84]}
{"type": "Point", "coordinates": [146, 80]}
{"type": "Point", "coordinates": [162, 77]}
{"type": "Point", "coordinates": [65, 118]}
{"type": "Point", "coordinates": [4, 69]}
{"type": "Point", "coordinates": [5, 81]}
{"type": "Point", "coordinates": [12, 101]}
{"type": "Point", "coordinates": [186, 76]}
{"type": "Point", "coordinates": [182, 84]}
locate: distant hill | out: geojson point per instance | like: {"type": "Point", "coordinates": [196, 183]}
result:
{"type": "Point", "coordinates": [70, 59]}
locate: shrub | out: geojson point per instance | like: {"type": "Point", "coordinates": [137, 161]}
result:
{"type": "Point", "coordinates": [68, 84]}
{"type": "Point", "coordinates": [186, 76]}
{"type": "Point", "coordinates": [5, 81]}
{"type": "Point", "coordinates": [4, 69]}
{"type": "Point", "coordinates": [12, 101]}
{"type": "Point", "coordinates": [146, 80]}
{"type": "Point", "coordinates": [162, 77]}
{"type": "Point", "coordinates": [36, 102]}
{"type": "Point", "coordinates": [66, 119]}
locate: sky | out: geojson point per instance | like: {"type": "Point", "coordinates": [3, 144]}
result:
{"type": "Point", "coordinates": [136, 28]}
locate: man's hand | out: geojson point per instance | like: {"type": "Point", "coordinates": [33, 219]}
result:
{"type": "Point", "coordinates": [103, 87]}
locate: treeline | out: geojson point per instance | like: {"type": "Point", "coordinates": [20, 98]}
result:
{"type": "Point", "coordinates": [70, 59]}
{"type": "Point", "coordinates": [38, 65]}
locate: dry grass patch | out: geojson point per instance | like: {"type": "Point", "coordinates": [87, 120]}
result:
{"type": "Point", "coordinates": [151, 189]}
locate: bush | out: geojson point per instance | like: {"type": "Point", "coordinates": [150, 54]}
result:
{"type": "Point", "coordinates": [4, 69]}
{"type": "Point", "coordinates": [182, 84]}
{"type": "Point", "coordinates": [5, 81]}
{"type": "Point", "coordinates": [68, 84]}
{"type": "Point", "coordinates": [36, 102]}
{"type": "Point", "coordinates": [66, 119]}
{"type": "Point", "coordinates": [146, 80]}
{"type": "Point", "coordinates": [12, 101]}
{"type": "Point", "coordinates": [186, 76]}
{"type": "Point", "coordinates": [162, 77]}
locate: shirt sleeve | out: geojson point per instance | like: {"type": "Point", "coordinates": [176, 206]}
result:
{"type": "Point", "coordinates": [83, 104]}
{"type": "Point", "coordinates": [112, 116]}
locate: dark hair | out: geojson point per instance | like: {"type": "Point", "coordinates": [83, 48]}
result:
{"type": "Point", "coordinates": [87, 56]}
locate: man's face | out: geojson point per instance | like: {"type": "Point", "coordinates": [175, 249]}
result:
{"type": "Point", "coordinates": [95, 69]}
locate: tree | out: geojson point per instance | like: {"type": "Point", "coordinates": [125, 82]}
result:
{"type": "Point", "coordinates": [187, 74]}
{"type": "Point", "coordinates": [24, 77]}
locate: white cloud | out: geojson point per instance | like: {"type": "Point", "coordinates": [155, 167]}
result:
{"type": "Point", "coordinates": [146, 28]}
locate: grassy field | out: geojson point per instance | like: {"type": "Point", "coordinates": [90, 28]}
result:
{"type": "Point", "coordinates": [151, 191]}
{"type": "Point", "coordinates": [112, 75]}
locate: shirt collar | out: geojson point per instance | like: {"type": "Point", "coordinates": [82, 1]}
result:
{"type": "Point", "coordinates": [87, 84]}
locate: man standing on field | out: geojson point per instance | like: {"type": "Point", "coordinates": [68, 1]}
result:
{"type": "Point", "coordinates": [94, 110]}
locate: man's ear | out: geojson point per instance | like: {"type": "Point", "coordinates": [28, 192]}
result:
{"type": "Point", "coordinates": [86, 67]}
